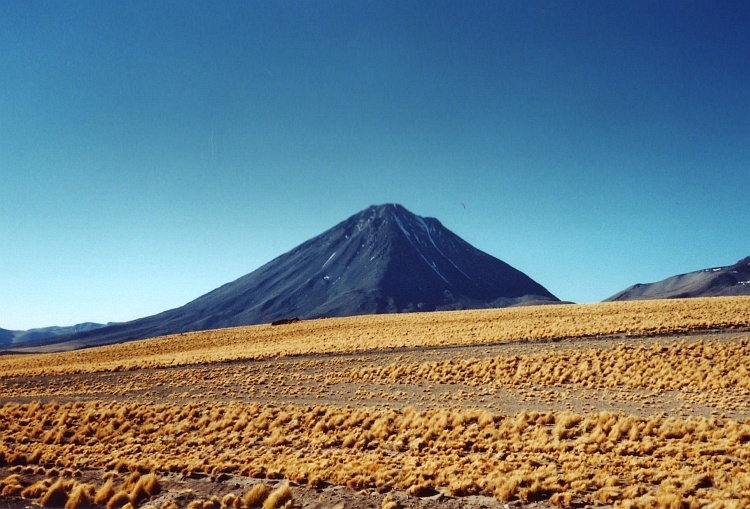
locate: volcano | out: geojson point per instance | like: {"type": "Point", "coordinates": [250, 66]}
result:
{"type": "Point", "coordinates": [713, 282]}
{"type": "Point", "coordinates": [382, 260]}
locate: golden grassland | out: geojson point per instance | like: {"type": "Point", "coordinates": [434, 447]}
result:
{"type": "Point", "coordinates": [557, 456]}
{"type": "Point", "coordinates": [703, 371]}
{"type": "Point", "coordinates": [123, 489]}
{"type": "Point", "coordinates": [142, 412]}
{"type": "Point", "coordinates": [394, 331]}
{"type": "Point", "coordinates": [706, 371]}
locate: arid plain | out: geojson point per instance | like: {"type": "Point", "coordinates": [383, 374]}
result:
{"type": "Point", "coordinates": [629, 404]}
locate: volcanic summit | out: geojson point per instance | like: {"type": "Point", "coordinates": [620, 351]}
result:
{"type": "Point", "coordinates": [382, 260]}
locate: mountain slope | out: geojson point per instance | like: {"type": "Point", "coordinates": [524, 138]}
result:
{"type": "Point", "coordinates": [51, 332]}
{"type": "Point", "coordinates": [44, 333]}
{"type": "Point", "coordinates": [6, 336]}
{"type": "Point", "coordinates": [382, 260]}
{"type": "Point", "coordinates": [714, 282]}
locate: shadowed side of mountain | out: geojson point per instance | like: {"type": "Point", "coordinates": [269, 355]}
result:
{"type": "Point", "coordinates": [14, 339]}
{"type": "Point", "coordinates": [382, 260]}
{"type": "Point", "coordinates": [6, 336]}
{"type": "Point", "coordinates": [714, 282]}
{"type": "Point", "coordinates": [42, 333]}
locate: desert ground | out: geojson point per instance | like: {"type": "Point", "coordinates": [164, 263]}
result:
{"type": "Point", "coordinates": [631, 404]}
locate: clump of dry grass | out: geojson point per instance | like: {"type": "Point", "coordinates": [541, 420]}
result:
{"type": "Point", "coordinates": [507, 488]}
{"type": "Point", "coordinates": [256, 496]}
{"type": "Point", "coordinates": [389, 503]}
{"type": "Point", "coordinates": [118, 500]}
{"type": "Point", "coordinates": [231, 501]}
{"type": "Point", "coordinates": [144, 488]}
{"type": "Point", "coordinates": [81, 496]}
{"type": "Point", "coordinates": [11, 490]}
{"type": "Point", "coordinates": [131, 481]}
{"type": "Point", "coordinates": [11, 486]}
{"type": "Point", "coordinates": [280, 497]}
{"type": "Point", "coordinates": [56, 495]}
{"type": "Point", "coordinates": [104, 493]}
{"type": "Point", "coordinates": [561, 499]}
{"type": "Point", "coordinates": [212, 503]}
{"type": "Point", "coordinates": [37, 489]}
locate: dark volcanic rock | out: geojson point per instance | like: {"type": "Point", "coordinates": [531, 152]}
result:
{"type": "Point", "coordinates": [285, 321]}
{"type": "Point", "coordinates": [383, 260]}
{"type": "Point", "coordinates": [714, 282]}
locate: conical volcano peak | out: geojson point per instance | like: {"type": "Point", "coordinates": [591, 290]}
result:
{"type": "Point", "coordinates": [376, 217]}
{"type": "Point", "coordinates": [382, 212]}
{"type": "Point", "coordinates": [398, 211]}
{"type": "Point", "coordinates": [384, 209]}
{"type": "Point", "coordinates": [383, 259]}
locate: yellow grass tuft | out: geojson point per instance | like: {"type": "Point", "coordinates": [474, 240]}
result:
{"type": "Point", "coordinates": [56, 496]}
{"type": "Point", "coordinates": [12, 479]}
{"type": "Point", "coordinates": [279, 497]}
{"type": "Point", "coordinates": [37, 489]}
{"type": "Point", "coordinates": [256, 496]}
{"type": "Point", "coordinates": [118, 500]}
{"type": "Point", "coordinates": [668, 500]}
{"type": "Point", "coordinates": [389, 503]}
{"type": "Point", "coordinates": [12, 490]}
{"type": "Point", "coordinates": [507, 488]}
{"type": "Point", "coordinates": [80, 497]}
{"type": "Point", "coordinates": [144, 488]}
{"type": "Point", "coordinates": [212, 503]}
{"type": "Point", "coordinates": [11, 486]}
{"type": "Point", "coordinates": [229, 501]}
{"type": "Point", "coordinates": [131, 481]}
{"type": "Point", "coordinates": [104, 493]}
{"type": "Point", "coordinates": [607, 494]}
{"type": "Point", "coordinates": [561, 499]}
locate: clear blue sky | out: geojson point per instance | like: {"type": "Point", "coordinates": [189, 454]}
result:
{"type": "Point", "coordinates": [152, 151]}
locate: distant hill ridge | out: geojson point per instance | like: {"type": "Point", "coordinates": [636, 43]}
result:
{"type": "Point", "coordinates": [713, 282]}
{"type": "Point", "coordinates": [42, 333]}
{"type": "Point", "coordinates": [382, 260]}
{"type": "Point", "coordinates": [6, 336]}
